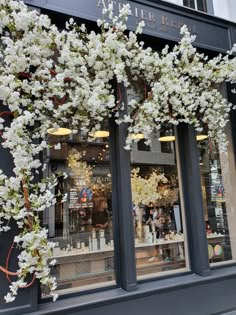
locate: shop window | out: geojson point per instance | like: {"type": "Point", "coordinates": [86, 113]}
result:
{"type": "Point", "coordinates": [199, 5]}
{"type": "Point", "coordinates": [142, 146]}
{"type": "Point", "coordinates": [159, 224]}
{"type": "Point", "coordinates": [166, 147]}
{"type": "Point", "coordinates": [217, 180]}
{"type": "Point", "coordinates": [81, 227]}
{"type": "Point", "coordinates": [167, 139]}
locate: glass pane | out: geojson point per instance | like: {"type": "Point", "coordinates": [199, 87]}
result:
{"type": "Point", "coordinates": [217, 177]}
{"type": "Point", "coordinates": [81, 227]}
{"type": "Point", "coordinates": [189, 3]}
{"type": "Point", "coordinates": [201, 5]}
{"type": "Point", "coordinates": [159, 225]}
{"type": "Point", "coordinates": [142, 146]}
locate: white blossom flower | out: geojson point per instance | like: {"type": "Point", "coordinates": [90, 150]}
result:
{"type": "Point", "coordinates": [75, 90]}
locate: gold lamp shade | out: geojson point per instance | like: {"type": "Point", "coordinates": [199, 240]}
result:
{"type": "Point", "coordinates": [59, 131]}
{"type": "Point", "coordinates": [201, 137]}
{"type": "Point", "coordinates": [167, 138]}
{"type": "Point", "coordinates": [172, 138]}
{"type": "Point", "coordinates": [138, 136]}
{"type": "Point", "coordinates": [99, 134]}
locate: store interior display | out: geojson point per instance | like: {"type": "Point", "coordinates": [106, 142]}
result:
{"type": "Point", "coordinates": [81, 227]}
{"type": "Point", "coordinates": [91, 242]}
{"type": "Point", "coordinates": [214, 202]}
{"type": "Point", "coordinates": [158, 227]}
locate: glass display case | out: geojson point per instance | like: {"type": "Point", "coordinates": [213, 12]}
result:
{"type": "Point", "coordinates": [86, 260]}
{"type": "Point", "coordinates": [159, 221]}
{"type": "Point", "coordinates": [163, 256]}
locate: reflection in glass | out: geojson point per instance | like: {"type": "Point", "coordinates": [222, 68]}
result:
{"type": "Point", "coordinates": [189, 3]}
{"type": "Point", "coordinates": [158, 220]}
{"type": "Point", "coordinates": [218, 202]}
{"type": "Point", "coordinates": [201, 5]}
{"type": "Point", "coordinates": [81, 227]}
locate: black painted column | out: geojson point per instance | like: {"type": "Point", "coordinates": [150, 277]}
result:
{"type": "Point", "coordinates": [122, 205]}
{"type": "Point", "coordinates": [187, 154]}
{"type": "Point", "coordinates": [27, 299]}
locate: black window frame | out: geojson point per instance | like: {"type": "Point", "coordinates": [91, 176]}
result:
{"type": "Point", "coordinates": [194, 4]}
{"type": "Point", "coordinates": [124, 246]}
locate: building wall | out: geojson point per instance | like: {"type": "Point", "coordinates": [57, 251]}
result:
{"type": "Point", "coordinates": [179, 2]}
{"type": "Point", "coordinates": [199, 293]}
{"type": "Point", "coordinates": [225, 9]}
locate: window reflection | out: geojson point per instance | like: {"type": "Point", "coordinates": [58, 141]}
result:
{"type": "Point", "coordinates": [196, 4]}
{"type": "Point", "coordinates": [158, 219]}
{"type": "Point", "coordinates": [217, 201]}
{"type": "Point", "coordinates": [81, 227]}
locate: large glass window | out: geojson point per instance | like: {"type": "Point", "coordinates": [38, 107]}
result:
{"type": "Point", "coordinates": [218, 182]}
{"type": "Point", "coordinates": [159, 226]}
{"type": "Point", "coordinates": [81, 227]}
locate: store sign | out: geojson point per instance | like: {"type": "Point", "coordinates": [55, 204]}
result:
{"type": "Point", "coordinates": [159, 22]}
{"type": "Point", "coordinates": [155, 20]}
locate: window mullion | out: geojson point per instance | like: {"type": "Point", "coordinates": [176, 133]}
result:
{"type": "Point", "coordinates": [122, 201]}
{"type": "Point", "coordinates": [187, 153]}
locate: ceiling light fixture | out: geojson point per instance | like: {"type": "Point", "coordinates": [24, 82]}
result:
{"type": "Point", "coordinates": [59, 131]}
{"type": "Point", "coordinates": [172, 138]}
{"type": "Point", "coordinates": [167, 138]}
{"type": "Point", "coordinates": [138, 136]}
{"type": "Point", "coordinates": [99, 134]}
{"type": "Point", "coordinates": [201, 137]}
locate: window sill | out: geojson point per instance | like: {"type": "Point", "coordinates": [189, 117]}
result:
{"type": "Point", "coordinates": [115, 295]}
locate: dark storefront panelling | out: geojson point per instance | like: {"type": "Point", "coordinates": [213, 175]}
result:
{"type": "Point", "coordinates": [189, 294]}
{"type": "Point", "coordinates": [162, 20]}
{"type": "Point", "coordinates": [27, 299]}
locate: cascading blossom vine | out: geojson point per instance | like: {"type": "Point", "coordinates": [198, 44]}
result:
{"type": "Point", "coordinates": [183, 88]}
{"type": "Point", "coordinates": [146, 190]}
{"type": "Point", "coordinates": [51, 78]}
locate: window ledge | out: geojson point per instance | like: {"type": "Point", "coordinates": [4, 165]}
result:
{"type": "Point", "coordinates": [115, 295]}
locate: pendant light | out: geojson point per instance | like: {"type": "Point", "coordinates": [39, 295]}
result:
{"type": "Point", "coordinates": [135, 136]}
{"type": "Point", "coordinates": [99, 134]}
{"type": "Point", "coordinates": [59, 132]}
{"type": "Point", "coordinates": [169, 136]}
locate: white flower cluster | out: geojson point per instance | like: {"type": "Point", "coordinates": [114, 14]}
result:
{"type": "Point", "coordinates": [183, 87]}
{"type": "Point", "coordinates": [51, 78]}
{"type": "Point", "coordinates": [146, 190]}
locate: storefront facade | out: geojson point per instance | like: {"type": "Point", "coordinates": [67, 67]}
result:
{"type": "Point", "coordinates": [176, 256]}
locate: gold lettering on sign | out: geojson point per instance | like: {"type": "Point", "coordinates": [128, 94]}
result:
{"type": "Point", "coordinates": [121, 6]}
{"type": "Point", "coordinates": [151, 17]}
{"type": "Point", "coordinates": [143, 14]}
{"type": "Point", "coordinates": [165, 20]}
{"type": "Point", "coordinates": [151, 25]}
{"type": "Point", "coordinates": [152, 20]}
{"type": "Point", "coordinates": [173, 23]}
{"type": "Point", "coordinates": [112, 4]}
{"type": "Point", "coordinates": [180, 24]}
{"type": "Point", "coordinates": [163, 28]}
{"type": "Point", "coordinates": [101, 2]}
{"type": "Point", "coordinates": [136, 12]}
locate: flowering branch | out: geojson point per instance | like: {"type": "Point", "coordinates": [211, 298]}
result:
{"type": "Point", "coordinates": [51, 78]}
